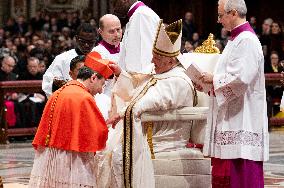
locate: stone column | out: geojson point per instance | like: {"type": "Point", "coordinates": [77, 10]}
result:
{"type": "Point", "coordinates": [96, 9]}
{"type": "Point", "coordinates": [4, 11]}
{"type": "Point", "coordinates": [1, 13]}
{"type": "Point", "coordinates": [33, 8]}
{"type": "Point", "coordinates": [103, 7]}
{"type": "Point", "coordinates": [18, 8]}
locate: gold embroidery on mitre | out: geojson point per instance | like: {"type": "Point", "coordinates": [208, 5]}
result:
{"type": "Point", "coordinates": [174, 30]}
{"type": "Point", "coordinates": [168, 39]}
{"type": "Point", "coordinates": [162, 53]}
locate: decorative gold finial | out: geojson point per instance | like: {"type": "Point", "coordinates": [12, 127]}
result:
{"type": "Point", "coordinates": [208, 46]}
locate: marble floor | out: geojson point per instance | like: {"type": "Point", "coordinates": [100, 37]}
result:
{"type": "Point", "coordinates": [16, 160]}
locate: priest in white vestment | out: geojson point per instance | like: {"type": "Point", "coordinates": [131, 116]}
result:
{"type": "Point", "coordinates": [109, 48]}
{"type": "Point", "coordinates": [237, 131]}
{"type": "Point", "coordinates": [126, 162]}
{"type": "Point", "coordinates": [139, 35]}
{"type": "Point", "coordinates": [60, 67]}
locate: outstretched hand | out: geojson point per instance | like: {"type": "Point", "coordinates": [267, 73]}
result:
{"type": "Point", "coordinates": [115, 68]}
{"type": "Point", "coordinates": [113, 120]}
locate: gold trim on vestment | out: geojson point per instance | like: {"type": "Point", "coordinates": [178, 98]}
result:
{"type": "Point", "coordinates": [128, 139]}
{"type": "Point", "coordinates": [149, 125]}
{"type": "Point", "coordinates": [195, 96]}
{"type": "Point", "coordinates": [157, 34]}
{"type": "Point", "coordinates": [149, 131]}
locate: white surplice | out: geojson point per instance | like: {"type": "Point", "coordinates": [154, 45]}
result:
{"type": "Point", "coordinates": [59, 68]}
{"type": "Point", "coordinates": [106, 54]}
{"type": "Point", "coordinates": [237, 125]}
{"type": "Point", "coordinates": [55, 168]}
{"type": "Point", "coordinates": [138, 39]}
{"type": "Point", "coordinates": [172, 90]}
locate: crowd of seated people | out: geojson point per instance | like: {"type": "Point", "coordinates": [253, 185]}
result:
{"type": "Point", "coordinates": [23, 109]}
{"type": "Point", "coordinates": [27, 48]}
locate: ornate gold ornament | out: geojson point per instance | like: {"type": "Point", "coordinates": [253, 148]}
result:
{"type": "Point", "coordinates": [208, 46]}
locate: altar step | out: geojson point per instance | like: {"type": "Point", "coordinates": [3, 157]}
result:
{"type": "Point", "coordinates": [183, 181]}
{"type": "Point", "coordinates": [182, 173]}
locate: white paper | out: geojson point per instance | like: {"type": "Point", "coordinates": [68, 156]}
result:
{"type": "Point", "coordinates": [198, 63]}
{"type": "Point", "coordinates": [195, 74]}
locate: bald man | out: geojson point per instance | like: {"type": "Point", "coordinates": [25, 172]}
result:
{"type": "Point", "coordinates": [111, 33]}
{"type": "Point", "coordinates": [109, 48]}
{"type": "Point", "coordinates": [7, 66]}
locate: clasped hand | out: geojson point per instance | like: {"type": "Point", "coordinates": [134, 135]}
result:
{"type": "Point", "coordinates": [206, 78]}
{"type": "Point", "coordinates": [113, 120]}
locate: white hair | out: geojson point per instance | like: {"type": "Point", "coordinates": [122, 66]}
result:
{"type": "Point", "coordinates": [238, 5]}
{"type": "Point", "coordinates": [268, 21]}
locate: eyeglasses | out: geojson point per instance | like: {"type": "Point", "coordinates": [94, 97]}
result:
{"type": "Point", "coordinates": [220, 16]}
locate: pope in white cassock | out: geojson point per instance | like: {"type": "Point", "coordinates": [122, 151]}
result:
{"type": "Point", "coordinates": [126, 161]}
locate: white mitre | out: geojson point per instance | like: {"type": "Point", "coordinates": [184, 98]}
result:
{"type": "Point", "coordinates": [168, 39]}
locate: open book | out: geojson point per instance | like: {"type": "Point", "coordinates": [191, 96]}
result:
{"type": "Point", "coordinates": [197, 63]}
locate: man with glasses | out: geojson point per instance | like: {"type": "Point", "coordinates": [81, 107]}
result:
{"type": "Point", "coordinates": [60, 67]}
{"type": "Point", "coordinates": [6, 74]}
{"type": "Point", "coordinates": [7, 66]}
{"type": "Point", "coordinates": [237, 132]}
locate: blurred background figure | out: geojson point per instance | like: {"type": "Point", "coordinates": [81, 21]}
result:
{"type": "Point", "coordinates": [252, 22]}
{"type": "Point", "coordinates": [6, 74]}
{"type": "Point", "coordinates": [188, 26]}
{"type": "Point", "coordinates": [188, 47]}
{"type": "Point", "coordinates": [274, 92]}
